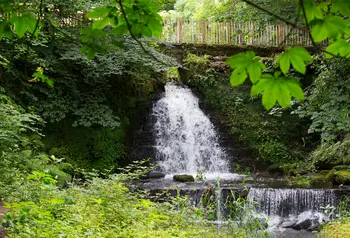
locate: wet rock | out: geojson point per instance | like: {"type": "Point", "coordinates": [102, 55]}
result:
{"type": "Point", "coordinates": [155, 174]}
{"type": "Point", "coordinates": [303, 224]}
{"type": "Point", "coordinates": [183, 178]}
{"type": "Point", "coordinates": [288, 224]}
{"type": "Point", "coordinates": [310, 221]}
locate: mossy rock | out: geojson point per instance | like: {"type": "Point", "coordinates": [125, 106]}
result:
{"type": "Point", "coordinates": [321, 178]}
{"type": "Point", "coordinates": [341, 167]}
{"type": "Point", "coordinates": [295, 172]}
{"type": "Point", "coordinates": [330, 177]}
{"type": "Point", "coordinates": [183, 178]}
{"type": "Point", "coordinates": [342, 177]}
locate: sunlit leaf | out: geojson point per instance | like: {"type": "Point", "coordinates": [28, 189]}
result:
{"type": "Point", "coordinates": [340, 47]}
{"type": "Point", "coordinates": [284, 63]}
{"type": "Point", "coordinates": [238, 78]}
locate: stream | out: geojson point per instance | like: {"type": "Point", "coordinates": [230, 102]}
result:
{"type": "Point", "coordinates": [185, 141]}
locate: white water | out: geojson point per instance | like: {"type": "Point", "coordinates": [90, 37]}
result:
{"type": "Point", "coordinates": [186, 139]}
{"type": "Point", "coordinates": [286, 208]}
{"type": "Point", "coordinates": [287, 202]}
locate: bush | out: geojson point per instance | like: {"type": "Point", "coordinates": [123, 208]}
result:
{"type": "Point", "coordinates": [102, 208]}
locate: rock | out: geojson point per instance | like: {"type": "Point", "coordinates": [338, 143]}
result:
{"type": "Point", "coordinates": [183, 178]}
{"type": "Point", "coordinates": [155, 174]}
{"type": "Point", "coordinates": [295, 172]}
{"type": "Point", "coordinates": [288, 224]}
{"type": "Point", "coordinates": [341, 167]}
{"type": "Point", "coordinates": [321, 178]}
{"type": "Point", "coordinates": [275, 169]}
{"type": "Point", "coordinates": [342, 177]}
{"type": "Point", "coordinates": [303, 224]}
{"type": "Point", "coordinates": [310, 221]}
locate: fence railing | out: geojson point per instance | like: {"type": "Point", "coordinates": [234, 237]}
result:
{"type": "Point", "coordinates": [248, 33]}
{"type": "Point", "coordinates": [222, 33]}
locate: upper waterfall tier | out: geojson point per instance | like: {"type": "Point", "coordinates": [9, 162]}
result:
{"type": "Point", "coordinates": [186, 141]}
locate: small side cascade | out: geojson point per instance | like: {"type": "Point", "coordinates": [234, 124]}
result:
{"type": "Point", "coordinates": [291, 202]}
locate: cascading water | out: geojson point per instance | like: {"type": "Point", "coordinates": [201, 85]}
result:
{"type": "Point", "coordinates": [286, 202]}
{"type": "Point", "coordinates": [186, 141]}
{"type": "Point", "coordinates": [294, 208]}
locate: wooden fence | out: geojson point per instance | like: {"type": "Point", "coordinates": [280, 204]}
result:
{"type": "Point", "coordinates": [210, 32]}
{"type": "Point", "coordinates": [248, 33]}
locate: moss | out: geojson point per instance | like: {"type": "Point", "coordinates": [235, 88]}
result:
{"type": "Point", "coordinates": [341, 167]}
{"type": "Point", "coordinates": [320, 178]}
{"type": "Point", "coordinates": [183, 178]}
{"type": "Point", "coordinates": [330, 176]}
{"type": "Point", "coordinates": [342, 177]}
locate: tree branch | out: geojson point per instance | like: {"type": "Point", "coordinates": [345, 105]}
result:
{"type": "Point", "coordinates": [134, 37]}
{"type": "Point", "coordinates": [271, 13]}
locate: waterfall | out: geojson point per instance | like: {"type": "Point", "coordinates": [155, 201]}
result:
{"type": "Point", "coordinates": [186, 140]}
{"type": "Point", "coordinates": [287, 202]}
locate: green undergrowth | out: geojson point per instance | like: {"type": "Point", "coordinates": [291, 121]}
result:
{"type": "Point", "coordinates": [101, 208]}
{"type": "Point", "coordinates": [277, 136]}
{"type": "Point", "coordinates": [340, 227]}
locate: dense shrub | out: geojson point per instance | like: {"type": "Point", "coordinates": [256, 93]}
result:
{"type": "Point", "coordinates": [21, 148]}
{"type": "Point", "coordinates": [103, 208]}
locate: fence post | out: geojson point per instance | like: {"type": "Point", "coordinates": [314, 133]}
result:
{"type": "Point", "coordinates": [227, 33]}
{"type": "Point", "coordinates": [179, 33]}
{"type": "Point", "coordinates": [204, 32]}
{"type": "Point", "coordinates": [192, 29]}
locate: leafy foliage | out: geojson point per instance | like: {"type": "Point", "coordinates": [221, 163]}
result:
{"type": "Point", "coordinates": [21, 149]}
{"type": "Point", "coordinates": [103, 208]}
{"type": "Point", "coordinates": [328, 101]}
{"type": "Point", "coordinates": [275, 88]}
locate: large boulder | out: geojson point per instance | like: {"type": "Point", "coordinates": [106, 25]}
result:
{"type": "Point", "coordinates": [342, 177]}
{"type": "Point", "coordinates": [183, 178]}
{"type": "Point", "coordinates": [321, 178]}
{"type": "Point", "coordinates": [310, 221]}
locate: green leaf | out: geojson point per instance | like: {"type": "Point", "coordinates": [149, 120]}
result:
{"type": "Point", "coordinates": [293, 87]}
{"type": "Point", "coordinates": [155, 27]}
{"type": "Point", "coordinates": [312, 11]}
{"type": "Point", "coordinates": [284, 97]}
{"type": "Point", "coordinates": [99, 12]}
{"type": "Point", "coordinates": [269, 97]}
{"type": "Point", "coordinates": [23, 23]}
{"type": "Point", "coordinates": [342, 6]}
{"type": "Point", "coordinates": [261, 85]}
{"type": "Point", "coordinates": [284, 63]}
{"type": "Point", "coordinates": [237, 60]}
{"type": "Point", "coordinates": [297, 56]}
{"type": "Point", "coordinates": [298, 64]}
{"type": "Point", "coordinates": [88, 51]}
{"type": "Point", "coordinates": [254, 71]}
{"type": "Point", "coordinates": [120, 30]}
{"type": "Point", "coordinates": [331, 26]}
{"type": "Point", "coordinates": [238, 78]}
{"type": "Point", "coordinates": [340, 47]}
{"type": "Point", "coordinates": [100, 24]}
{"type": "Point", "coordinates": [276, 88]}
{"type": "Point", "coordinates": [301, 52]}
